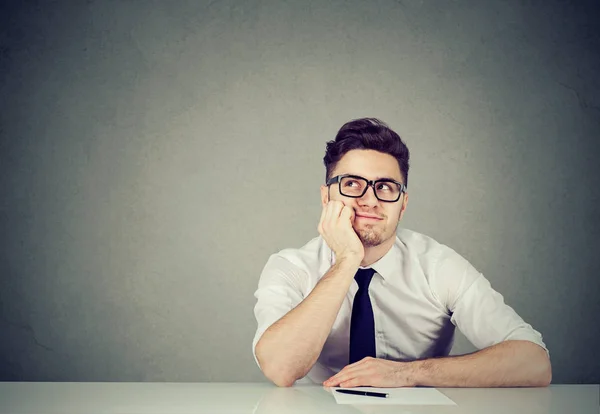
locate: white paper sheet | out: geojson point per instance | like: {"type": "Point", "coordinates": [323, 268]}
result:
{"type": "Point", "coordinates": [397, 396]}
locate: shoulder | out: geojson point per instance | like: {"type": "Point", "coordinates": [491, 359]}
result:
{"type": "Point", "coordinates": [308, 255]}
{"type": "Point", "coordinates": [446, 271]}
{"type": "Point", "coordinates": [425, 249]}
{"type": "Point", "coordinates": [306, 261]}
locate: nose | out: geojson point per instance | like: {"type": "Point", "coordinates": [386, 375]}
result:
{"type": "Point", "coordinates": [368, 198]}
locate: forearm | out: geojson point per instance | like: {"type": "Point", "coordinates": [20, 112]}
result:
{"type": "Point", "coordinates": [507, 364]}
{"type": "Point", "coordinates": [291, 346]}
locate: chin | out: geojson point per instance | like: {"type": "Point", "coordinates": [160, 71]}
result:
{"type": "Point", "coordinates": [369, 238]}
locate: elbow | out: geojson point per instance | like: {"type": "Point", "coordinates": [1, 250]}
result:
{"type": "Point", "coordinates": [275, 371]}
{"type": "Point", "coordinates": [282, 381]}
{"type": "Point", "coordinates": [538, 367]}
{"type": "Point", "coordinates": [547, 377]}
{"type": "Point", "coordinates": [278, 376]}
{"type": "Point", "coordinates": [544, 380]}
{"type": "Point", "coordinates": [543, 376]}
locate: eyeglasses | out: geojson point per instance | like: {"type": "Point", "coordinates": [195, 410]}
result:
{"type": "Point", "coordinates": [355, 186]}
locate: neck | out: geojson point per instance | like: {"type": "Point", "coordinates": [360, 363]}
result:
{"type": "Point", "coordinates": [372, 254]}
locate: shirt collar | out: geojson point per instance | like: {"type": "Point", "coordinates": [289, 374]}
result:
{"type": "Point", "coordinates": [387, 266]}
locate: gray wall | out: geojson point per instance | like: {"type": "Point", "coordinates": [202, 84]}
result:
{"type": "Point", "coordinates": [154, 154]}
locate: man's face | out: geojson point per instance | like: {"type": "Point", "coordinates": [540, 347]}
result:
{"type": "Point", "coordinates": [375, 221]}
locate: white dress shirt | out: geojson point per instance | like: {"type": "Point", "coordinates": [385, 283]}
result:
{"type": "Point", "coordinates": [420, 292]}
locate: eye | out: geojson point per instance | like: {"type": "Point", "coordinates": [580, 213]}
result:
{"type": "Point", "coordinates": [351, 183]}
{"type": "Point", "coordinates": [383, 187]}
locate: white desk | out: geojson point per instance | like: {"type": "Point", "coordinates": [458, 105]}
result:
{"type": "Point", "coordinates": [263, 398]}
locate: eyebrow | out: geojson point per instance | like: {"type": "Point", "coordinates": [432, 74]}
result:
{"type": "Point", "coordinates": [387, 178]}
{"type": "Point", "coordinates": [379, 178]}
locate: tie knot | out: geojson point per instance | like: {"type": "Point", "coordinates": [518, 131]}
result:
{"type": "Point", "coordinates": [363, 277]}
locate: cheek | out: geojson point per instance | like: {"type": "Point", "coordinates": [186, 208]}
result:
{"type": "Point", "coordinates": [394, 216]}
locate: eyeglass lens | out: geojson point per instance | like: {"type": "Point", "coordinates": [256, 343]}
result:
{"type": "Point", "coordinates": [356, 187]}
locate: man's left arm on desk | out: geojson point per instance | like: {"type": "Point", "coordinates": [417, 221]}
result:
{"type": "Point", "coordinates": [507, 364]}
{"type": "Point", "coordinates": [512, 363]}
{"type": "Point", "coordinates": [512, 353]}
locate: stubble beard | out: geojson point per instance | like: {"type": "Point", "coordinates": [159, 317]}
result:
{"type": "Point", "coordinates": [370, 236]}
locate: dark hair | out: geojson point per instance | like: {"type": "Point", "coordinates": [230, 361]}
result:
{"type": "Point", "coordinates": [366, 133]}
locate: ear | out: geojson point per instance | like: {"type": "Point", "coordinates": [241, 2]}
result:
{"type": "Point", "coordinates": [324, 195]}
{"type": "Point", "coordinates": [404, 204]}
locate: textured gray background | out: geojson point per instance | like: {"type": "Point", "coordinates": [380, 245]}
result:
{"type": "Point", "coordinates": [154, 154]}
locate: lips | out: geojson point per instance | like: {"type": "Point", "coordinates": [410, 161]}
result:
{"type": "Point", "coordinates": [368, 216]}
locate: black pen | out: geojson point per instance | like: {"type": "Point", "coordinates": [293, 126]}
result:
{"type": "Point", "coordinates": [366, 393]}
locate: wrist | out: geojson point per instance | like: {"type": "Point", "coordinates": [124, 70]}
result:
{"type": "Point", "coordinates": [350, 261]}
{"type": "Point", "coordinates": [418, 371]}
{"type": "Point", "coordinates": [411, 372]}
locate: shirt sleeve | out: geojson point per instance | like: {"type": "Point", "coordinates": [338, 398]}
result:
{"type": "Point", "coordinates": [280, 289]}
{"type": "Point", "coordinates": [476, 308]}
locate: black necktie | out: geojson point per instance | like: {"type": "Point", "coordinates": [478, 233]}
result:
{"type": "Point", "coordinates": [362, 324]}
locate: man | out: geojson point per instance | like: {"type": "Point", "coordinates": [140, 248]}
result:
{"type": "Point", "coordinates": [365, 305]}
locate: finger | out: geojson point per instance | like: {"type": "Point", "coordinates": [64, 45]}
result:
{"type": "Point", "coordinates": [362, 368]}
{"type": "Point", "coordinates": [327, 218]}
{"type": "Point", "coordinates": [355, 382]}
{"type": "Point", "coordinates": [332, 382]}
{"type": "Point", "coordinates": [347, 214]}
{"type": "Point", "coordinates": [337, 206]}
{"type": "Point", "coordinates": [335, 379]}
{"type": "Point", "coordinates": [342, 376]}
{"type": "Point", "coordinates": [347, 379]}
{"type": "Point", "coordinates": [349, 368]}
{"type": "Point", "coordinates": [333, 211]}
{"type": "Point", "coordinates": [320, 225]}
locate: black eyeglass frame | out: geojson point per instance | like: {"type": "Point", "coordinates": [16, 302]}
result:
{"type": "Point", "coordinates": [370, 183]}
